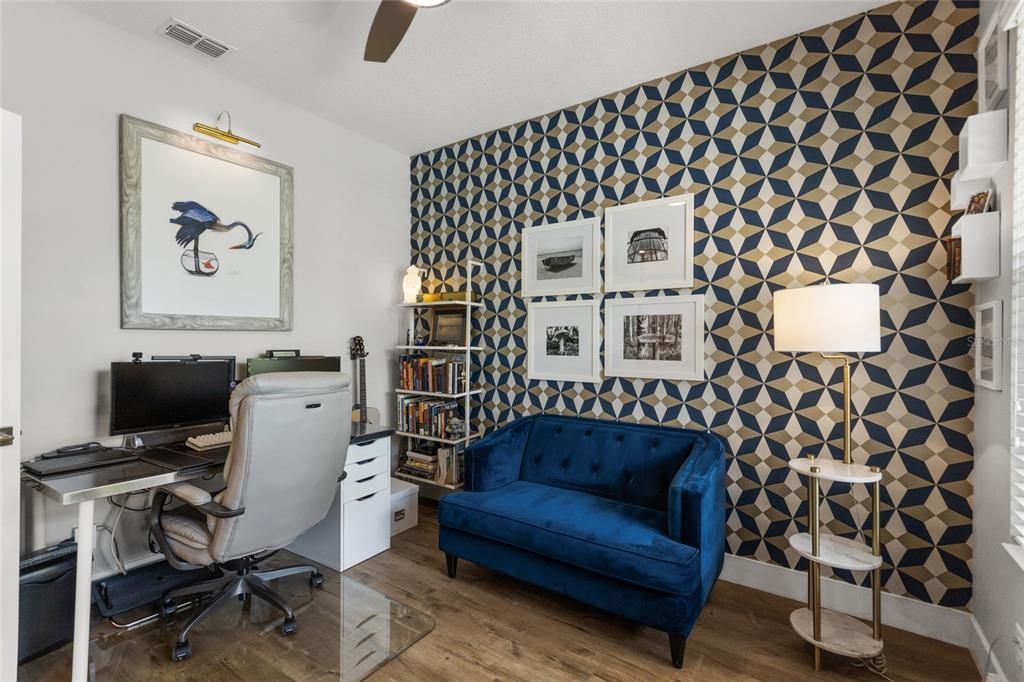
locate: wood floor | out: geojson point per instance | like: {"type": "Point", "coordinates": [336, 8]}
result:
{"type": "Point", "coordinates": [489, 627]}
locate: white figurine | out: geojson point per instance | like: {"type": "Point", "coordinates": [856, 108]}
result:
{"type": "Point", "coordinates": [412, 283]}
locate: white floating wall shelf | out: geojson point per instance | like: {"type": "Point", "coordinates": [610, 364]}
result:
{"type": "Point", "coordinates": [982, 146]}
{"type": "Point", "coordinates": [979, 243]}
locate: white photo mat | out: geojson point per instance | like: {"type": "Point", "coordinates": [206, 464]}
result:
{"type": "Point", "coordinates": [561, 258]}
{"type": "Point", "coordinates": [993, 66]}
{"type": "Point", "coordinates": [563, 341]}
{"type": "Point", "coordinates": [988, 345]}
{"type": "Point", "coordinates": [655, 338]}
{"type": "Point", "coordinates": [649, 245]}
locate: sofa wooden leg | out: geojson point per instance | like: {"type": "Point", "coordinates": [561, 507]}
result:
{"type": "Point", "coordinates": [677, 646]}
{"type": "Point", "coordinates": [453, 564]}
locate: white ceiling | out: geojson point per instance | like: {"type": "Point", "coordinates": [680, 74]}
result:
{"type": "Point", "coordinates": [469, 66]}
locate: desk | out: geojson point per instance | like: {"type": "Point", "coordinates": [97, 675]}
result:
{"type": "Point", "coordinates": [84, 487]}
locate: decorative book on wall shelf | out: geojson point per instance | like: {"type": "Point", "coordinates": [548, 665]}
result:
{"type": "Point", "coordinates": [972, 248]}
{"type": "Point", "coordinates": [434, 394]}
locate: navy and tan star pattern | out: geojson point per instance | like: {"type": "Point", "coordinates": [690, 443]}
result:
{"type": "Point", "coordinates": [825, 155]}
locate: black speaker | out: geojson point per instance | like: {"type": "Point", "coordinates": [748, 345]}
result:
{"type": "Point", "coordinates": [46, 601]}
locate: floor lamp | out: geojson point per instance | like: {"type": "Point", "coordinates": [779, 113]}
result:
{"type": "Point", "coordinates": [832, 319]}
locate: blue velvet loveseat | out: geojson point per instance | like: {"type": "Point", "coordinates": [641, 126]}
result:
{"type": "Point", "coordinates": [629, 518]}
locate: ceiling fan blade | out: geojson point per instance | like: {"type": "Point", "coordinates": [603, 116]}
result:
{"type": "Point", "coordinates": [389, 26]}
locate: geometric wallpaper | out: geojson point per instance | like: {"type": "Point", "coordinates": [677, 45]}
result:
{"type": "Point", "coordinates": [820, 157]}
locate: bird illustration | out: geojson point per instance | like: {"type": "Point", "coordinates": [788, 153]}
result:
{"type": "Point", "coordinates": [195, 219]}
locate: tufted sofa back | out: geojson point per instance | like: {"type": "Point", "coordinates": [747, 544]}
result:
{"type": "Point", "coordinates": [632, 463]}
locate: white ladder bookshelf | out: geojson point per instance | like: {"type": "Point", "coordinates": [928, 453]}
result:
{"type": "Point", "coordinates": [468, 392]}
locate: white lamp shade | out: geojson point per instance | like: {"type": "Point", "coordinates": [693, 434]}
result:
{"type": "Point", "coordinates": [828, 318]}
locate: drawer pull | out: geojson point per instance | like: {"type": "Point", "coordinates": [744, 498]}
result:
{"type": "Point", "coordinates": [365, 461]}
{"type": "Point", "coordinates": [363, 445]}
{"type": "Point", "coordinates": [365, 497]}
{"type": "Point", "coordinates": [368, 478]}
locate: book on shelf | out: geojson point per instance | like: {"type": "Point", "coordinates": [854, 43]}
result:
{"type": "Point", "coordinates": [434, 375]}
{"type": "Point", "coordinates": [432, 417]}
{"type": "Point", "coordinates": [447, 465]}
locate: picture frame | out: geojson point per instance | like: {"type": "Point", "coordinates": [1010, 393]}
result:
{"type": "Point", "coordinates": [979, 202]}
{"type": "Point", "coordinates": [178, 190]}
{"type": "Point", "coordinates": [988, 346]}
{"type": "Point", "coordinates": [658, 337]}
{"type": "Point", "coordinates": [447, 328]}
{"type": "Point", "coordinates": [993, 67]}
{"type": "Point", "coordinates": [561, 258]}
{"type": "Point", "coordinates": [649, 245]}
{"type": "Point", "coordinates": [563, 341]}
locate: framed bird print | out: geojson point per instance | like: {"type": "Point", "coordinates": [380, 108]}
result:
{"type": "Point", "coordinates": [206, 234]}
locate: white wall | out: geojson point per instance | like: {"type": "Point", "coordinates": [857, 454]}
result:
{"type": "Point", "coordinates": [998, 581]}
{"type": "Point", "coordinates": [70, 77]}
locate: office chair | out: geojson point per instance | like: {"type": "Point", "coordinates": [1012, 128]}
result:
{"type": "Point", "coordinates": [290, 438]}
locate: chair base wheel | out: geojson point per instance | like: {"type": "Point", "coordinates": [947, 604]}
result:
{"type": "Point", "coordinates": [182, 650]}
{"type": "Point", "coordinates": [316, 580]}
{"type": "Point", "coordinates": [289, 626]}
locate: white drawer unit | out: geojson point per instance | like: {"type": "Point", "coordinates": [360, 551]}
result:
{"type": "Point", "coordinates": [358, 525]}
{"type": "Point", "coordinates": [367, 526]}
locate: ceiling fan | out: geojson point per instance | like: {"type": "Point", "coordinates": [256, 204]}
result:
{"type": "Point", "coordinates": [389, 26]}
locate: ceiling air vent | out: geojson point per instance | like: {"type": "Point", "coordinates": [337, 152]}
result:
{"type": "Point", "coordinates": [192, 37]}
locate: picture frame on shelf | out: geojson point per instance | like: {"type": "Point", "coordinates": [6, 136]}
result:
{"type": "Point", "coordinates": [993, 67]}
{"type": "Point", "coordinates": [561, 258]}
{"type": "Point", "coordinates": [988, 347]}
{"type": "Point", "coordinates": [655, 338]}
{"type": "Point", "coordinates": [979, 202]}
{"type": "Point", "coordinates": [447, 327]}
{"type": "Point", "coordinates": [649, 245]}
{"type": "Point", "coordinates": [563, 341]}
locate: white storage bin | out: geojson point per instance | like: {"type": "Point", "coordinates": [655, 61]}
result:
{"type": "Point", "coordinates": [404, 505]}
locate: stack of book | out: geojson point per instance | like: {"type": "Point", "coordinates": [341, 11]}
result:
{"type": "Point", "coordinates": [436, 375]}
{"type": "Point", "coordinates": [421, 463]}
{"type": "Point", "coordinates": [435, 464]}
{"type": "Point", "coordinates": [427, 416]}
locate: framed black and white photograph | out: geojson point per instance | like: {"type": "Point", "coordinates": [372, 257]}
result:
{"type": "Point", "coordinates": [655, 338]}
{"type": "Point", "coordinates": [988, 347]}
{"type": "Point", "coordinates": [563, 341]}
{"type": "Point", "coordinates": [206, 234]}
{"type": "Point", "coordinates": [649, 245]}
{"type": "Point", "coordinates": [992, 67]}
{"type": "Point", "coordinates": [562, 258]}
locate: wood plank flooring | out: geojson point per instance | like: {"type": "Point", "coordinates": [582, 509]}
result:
{"type": "Point", "coordinates": [490, 627]}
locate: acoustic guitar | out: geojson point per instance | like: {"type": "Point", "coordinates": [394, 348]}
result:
{"type": "Point", "coordinates": [361, 412]}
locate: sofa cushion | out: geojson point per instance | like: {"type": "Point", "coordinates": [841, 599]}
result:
{"type": "Point", "coordinates": [631, 463]}
{"type": "Point", "coordinates": [620, 540]}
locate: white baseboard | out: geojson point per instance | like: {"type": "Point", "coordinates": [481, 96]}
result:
{"type": "Point", "coordinates": [979, 648]}
{"type": "Point", "coordinates": [938, 622]}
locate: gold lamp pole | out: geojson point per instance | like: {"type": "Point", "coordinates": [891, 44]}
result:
{"type": "Point", "coordinates": [847, 458]}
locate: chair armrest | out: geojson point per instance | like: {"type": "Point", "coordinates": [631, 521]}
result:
{"type": "Point", "coordinates": [495, 460]}
{"type": "Point", "coordinates": [696, 506]}
{"type": "Point", "coordinates": [200, 499]}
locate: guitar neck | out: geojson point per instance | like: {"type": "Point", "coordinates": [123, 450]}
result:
{"type": "Point", "coordinates": [362, 390]}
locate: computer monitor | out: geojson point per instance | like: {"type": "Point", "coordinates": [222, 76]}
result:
{"type": "Point", "coordinates": [146, 396]}
{"type": "Point", "coordinates": [309, 363]}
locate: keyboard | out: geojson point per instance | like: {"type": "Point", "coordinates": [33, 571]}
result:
{"type": "Point", "coordinates": [209, 441]}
